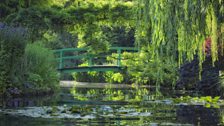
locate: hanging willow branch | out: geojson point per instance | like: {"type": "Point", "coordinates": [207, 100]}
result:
{"type": "Point", "coordinates": [181, 27]}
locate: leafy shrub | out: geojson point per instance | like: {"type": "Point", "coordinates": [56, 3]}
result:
{"type": "Point", "coordinates": [144, 69]}
{"type": "Point", "coordinates": [92, 76]}
{"type": "Point", "coordinates": [12, 45]}
{"type": "Point", "coordinates": [118, 77]}
{"type": "Point", "coordinates": [95, 76]}
{"type": "Point", "coordinates": [108, 76]}
{"type": "Point", "coordinates": [40, 66]}
{"type": "Point", "coordinates": [111, 77]}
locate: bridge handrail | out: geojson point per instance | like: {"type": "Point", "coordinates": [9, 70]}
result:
{"type": "Point", "coordinates": [85, 49]}
{"type": "Point", "coordinates": [70, 49]}
{"type": "Point", "coordinates": [61, 52]}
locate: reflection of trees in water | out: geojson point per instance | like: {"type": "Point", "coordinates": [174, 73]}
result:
{"type": "Point", "coordinates": [199, 115]}
{"type": "Point", "coordinates": [113, 94]}
{"type": "Point", "coordinates": [144, 112]}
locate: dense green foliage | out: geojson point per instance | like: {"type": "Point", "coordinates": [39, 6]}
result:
{"type": "Point", "coordinates": [108, 77]}
{"type": "Point", "coordinates": [143, 69]}
{"type": "Point", "coordinates": [12, 48]}
{"type": "Point", "coordinates": [40, 67]}
{"type": "Point", "coordinates": [87, 18]}
{"type": "Point", "coordinates": [22, 66]}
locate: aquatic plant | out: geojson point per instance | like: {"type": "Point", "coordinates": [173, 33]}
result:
{"type": "Point", "coordinates": [206, 101]}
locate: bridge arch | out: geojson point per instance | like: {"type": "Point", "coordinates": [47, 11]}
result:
{"type": "Point", "coordinates": [70, 59]}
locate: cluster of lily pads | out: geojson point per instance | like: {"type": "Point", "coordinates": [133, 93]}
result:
{"type": "Point", "coordinates": [206, 101]}
{"type": "Point", "coordinates": [78, 111]}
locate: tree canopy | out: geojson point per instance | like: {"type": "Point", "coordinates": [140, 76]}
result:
{"type": "Point", "coordinates": [86, 19]}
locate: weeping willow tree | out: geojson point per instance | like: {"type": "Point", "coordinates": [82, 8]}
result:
{"type": "Point", "coordinates": [180, 28]}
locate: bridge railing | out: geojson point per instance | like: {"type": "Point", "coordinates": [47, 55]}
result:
{"type": "Point", "coordinates": [74, 54]}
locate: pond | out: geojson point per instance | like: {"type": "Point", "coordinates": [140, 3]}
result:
{"type": "Point", "coordinates": [112, 106]}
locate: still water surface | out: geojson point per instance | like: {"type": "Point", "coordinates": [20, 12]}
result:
{"type": "Point", "coordinates": [107, 107]}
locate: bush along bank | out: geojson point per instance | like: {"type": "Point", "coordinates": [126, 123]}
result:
{"type": "Point", "coordinates": [24, 68]}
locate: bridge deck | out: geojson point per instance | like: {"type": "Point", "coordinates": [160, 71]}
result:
{"type": "Point", "coordinates": [90, 68]}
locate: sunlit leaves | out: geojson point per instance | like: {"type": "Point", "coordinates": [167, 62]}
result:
{"type": "Point", "coordinates": [179, 26]}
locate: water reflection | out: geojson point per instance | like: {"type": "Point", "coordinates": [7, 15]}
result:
{"type": "Point", "coordinates": [134, 94]}
{"type": "Point", "coordinates": [109, 106]}
{"type": "Point", "coordinates": [199, 115]}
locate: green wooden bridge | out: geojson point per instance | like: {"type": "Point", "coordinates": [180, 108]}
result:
{"type": "Point", "coordinates": [70, 59]}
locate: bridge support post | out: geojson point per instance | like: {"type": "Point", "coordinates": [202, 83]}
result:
{"type": "Point", "coordinates": [61, 60]}
{"type": "Point", "coordinates": [90, 60]}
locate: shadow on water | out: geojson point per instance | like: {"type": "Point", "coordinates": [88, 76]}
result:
{"type": "Point", "coordinates": [199, 115]}
{"type": "Point", "coordinates": [27, 102]}
{"type": "Point", "coordinates": [106, 107]}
